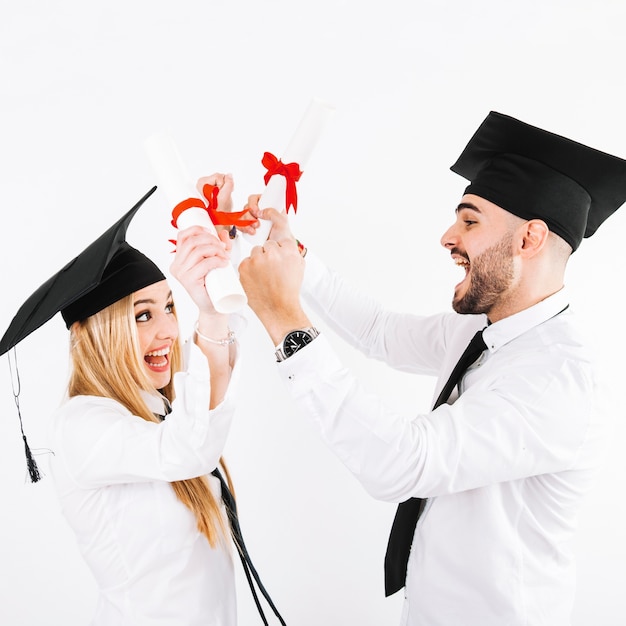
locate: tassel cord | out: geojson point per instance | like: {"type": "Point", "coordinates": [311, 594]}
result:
{"type": "Point", "coordinates": [16, 387]}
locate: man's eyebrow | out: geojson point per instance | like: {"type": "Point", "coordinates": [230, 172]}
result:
{"type": "Point", "coordinates": [467, 205]}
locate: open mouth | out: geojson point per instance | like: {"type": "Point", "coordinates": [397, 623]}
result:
{"type": "Point", "coordinates": [158, 360]}
{"type": "Point", "coordinates": [463, 263]}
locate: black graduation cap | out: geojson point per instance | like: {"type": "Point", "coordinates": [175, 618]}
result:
{"type": "Point", "coordinates": [104, 272]}
{"type": "Point", "coordinates": [535, 174]}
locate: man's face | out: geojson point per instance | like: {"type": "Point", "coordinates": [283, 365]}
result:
{"type": "Point", "coordinates": [481, 242]}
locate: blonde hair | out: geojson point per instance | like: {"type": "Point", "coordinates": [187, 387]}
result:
{"type": "Point", "coordinates": [105, 359]}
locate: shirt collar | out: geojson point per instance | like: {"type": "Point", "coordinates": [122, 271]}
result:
{"type": "Point", "coordinates": [502, 332]}
{"type": "Point", "coordinates": [155, 401]}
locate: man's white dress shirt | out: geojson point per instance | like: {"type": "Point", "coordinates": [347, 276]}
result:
{"type": "Point", "coordinates": [504, 466]}
{"type": "Point", "coordinates": [112, 472]}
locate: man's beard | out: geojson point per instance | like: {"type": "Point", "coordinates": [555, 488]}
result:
{"type": "Point", "coordinates": [491, 274]}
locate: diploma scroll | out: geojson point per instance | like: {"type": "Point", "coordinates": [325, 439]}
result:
{"type": "Point", "coordinates": [222, 283]}
{"type": "Point", "coordinates": [298, 151]}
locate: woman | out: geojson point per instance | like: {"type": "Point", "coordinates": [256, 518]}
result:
{"type": "Point", "coordinates": [139, 436]}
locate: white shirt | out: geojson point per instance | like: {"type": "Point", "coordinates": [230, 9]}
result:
{"type": "Point", "coordinates": [504, 467]}
{"type": "Point", "coordinates": [112, 472]}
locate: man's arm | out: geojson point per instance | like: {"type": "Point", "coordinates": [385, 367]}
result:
{"type": "Point", "coordinates": [272, 278]}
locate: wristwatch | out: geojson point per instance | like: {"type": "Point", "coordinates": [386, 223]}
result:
{"type": "Point", "coordinates": [295, 340]}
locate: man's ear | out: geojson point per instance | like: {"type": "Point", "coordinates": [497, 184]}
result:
{"type": "Point", "coordinates": [534, 237]}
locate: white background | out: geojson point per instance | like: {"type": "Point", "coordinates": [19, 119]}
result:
{"type": "Point", "coordinates": [82, 84]}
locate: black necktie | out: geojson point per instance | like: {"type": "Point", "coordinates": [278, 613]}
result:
{"type": "Point", "coordinates": [248, 568]}
{"type": "Point", "coordinates": [408, 512]}
{"type": "Point", "coordinates": [231, 510]}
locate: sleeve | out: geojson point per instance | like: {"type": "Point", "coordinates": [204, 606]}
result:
{"type": "Point", "coordinates": [101, 443]}
{"type": "Point", "coordinates": [538, 426]}
{"type": "Point", "coordinates": [406, 342]}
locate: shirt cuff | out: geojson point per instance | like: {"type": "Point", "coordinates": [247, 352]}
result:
{"type": "Point", "coordinates": [309, 361]}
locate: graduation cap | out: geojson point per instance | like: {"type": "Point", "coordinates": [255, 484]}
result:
{"type": "Point", "coordinates": [535, 174]}
{"type": "Point", "coordinates": [106, 271]}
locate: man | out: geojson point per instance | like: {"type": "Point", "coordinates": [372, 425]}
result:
{"type": "Point", "coordinates": [492, 478]}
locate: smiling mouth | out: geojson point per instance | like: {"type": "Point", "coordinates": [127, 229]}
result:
{"type": "Point", "coordinates": [158, 360]}
{"type": "Point", "coordinates": [463, 263]}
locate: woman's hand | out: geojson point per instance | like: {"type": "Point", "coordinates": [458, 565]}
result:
{"type": "Point", "coordinates": [198, 252]}
{"type": "Point", "coordinates": [225, 184]}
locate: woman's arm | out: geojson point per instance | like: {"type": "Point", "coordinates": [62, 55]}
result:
{"type": "Point", "coordinates": [199, 252]}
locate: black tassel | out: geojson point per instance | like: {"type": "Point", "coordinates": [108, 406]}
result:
{"type": "Point", "coordinates": [33, 470]}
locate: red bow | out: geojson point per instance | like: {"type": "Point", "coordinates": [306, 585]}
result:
{"type": "Point", "coordinates": [219, 218]}
{"type": "Point", "coordinates": [291, 172]}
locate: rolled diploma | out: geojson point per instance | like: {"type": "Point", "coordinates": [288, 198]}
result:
{"type": "Point", "coordinates": [298, 150]}
{"type": "Point", "coordinates": [222, 283]}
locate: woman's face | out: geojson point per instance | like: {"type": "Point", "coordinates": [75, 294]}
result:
{"type": "Point", "coordinates": [157, 328]}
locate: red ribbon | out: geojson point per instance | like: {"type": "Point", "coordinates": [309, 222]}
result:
{"type": "Point", "coordinates": [219, 218]}
{"type": "Point", "coordinates": [291, 172]}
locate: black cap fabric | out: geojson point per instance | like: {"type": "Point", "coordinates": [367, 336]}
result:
{"type": "Point", "coordinates": [535, 174]}
{"type": "Point", "coordinates": [106, 271]}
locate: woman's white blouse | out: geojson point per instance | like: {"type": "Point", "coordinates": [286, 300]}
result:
{"type": "Point", "coordinates": [112, 472]}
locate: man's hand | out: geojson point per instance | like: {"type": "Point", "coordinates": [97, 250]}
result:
{"type": "Point", "coordinates": [280, 223]}
{"type": "Point", "coordinates": [271, 277]}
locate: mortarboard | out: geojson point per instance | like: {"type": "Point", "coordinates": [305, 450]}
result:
{"type": "Point", "coordinates": [535, 174]}
{"type": "Point", "coordinates": [103, 273]}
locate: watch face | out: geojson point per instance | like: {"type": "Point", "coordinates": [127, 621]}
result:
{"type": "Point", "coordinates": [295, 340]}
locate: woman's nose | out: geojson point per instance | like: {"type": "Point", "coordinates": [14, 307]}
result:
{"type": "Point", "coordinates": [168, 326]}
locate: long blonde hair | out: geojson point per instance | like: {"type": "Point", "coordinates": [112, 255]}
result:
{"type": "Point", "coordinates": [105, 358]}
